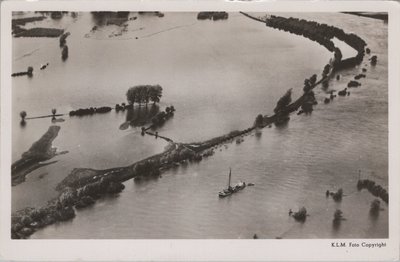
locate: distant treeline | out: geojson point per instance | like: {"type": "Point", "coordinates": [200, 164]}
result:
{"type": "Point", "coordinates": [38, 32]}
{"type": "Point", "coordinates": [18, 31]}
{"type": "Point", "coordinates": [212, 16]}
{"type": "Point", "coordinates": [18, 22]}
{"type": "Point", "coordinates": [157, 13]}
{"type": "Point", "coordinates": [375, 15]}
{"type": "Point", "coordinates": [323, 34]}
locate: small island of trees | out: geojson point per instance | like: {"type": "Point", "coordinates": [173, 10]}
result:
{"type": "Point", "coordinates": [143, 94]}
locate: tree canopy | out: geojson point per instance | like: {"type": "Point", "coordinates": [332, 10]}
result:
{"type": "Point", "coordinates": [144, 94]}
{"type": "Point", "coordinates": [23, 114]}
{"type": "Point", "coordinates": [259, 121]}
{"type": "Point", "coordinates": [284, 101]}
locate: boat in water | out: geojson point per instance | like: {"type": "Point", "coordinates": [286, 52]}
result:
{"type": "Point", "coordinates": [230, 190]}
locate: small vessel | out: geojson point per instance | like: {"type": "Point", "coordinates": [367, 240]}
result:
{"type": "Point", "coordinates": [230, 190]}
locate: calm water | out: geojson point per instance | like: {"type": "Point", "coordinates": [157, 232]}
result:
{"type": "Point", "coordinates": [219, 76]}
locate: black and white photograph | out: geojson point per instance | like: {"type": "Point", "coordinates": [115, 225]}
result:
{"type": "Point", "coordinates": [160, 124]}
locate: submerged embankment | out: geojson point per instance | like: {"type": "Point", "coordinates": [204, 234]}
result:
{"type": "Point", "coordinates": [32, 159]}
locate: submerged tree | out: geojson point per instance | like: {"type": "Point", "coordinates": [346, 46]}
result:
{"type": "Point", "coordinates": [284, 101]}
{"type": "Point", "coordinates": [313, 79]}
{"type": "Point", "coordinates": [338, 195]}
{"type": "Point", "coordinates": [338, 55]}
{"type": "Point", "coordinates": [131, 95]}
{"type": "Point", "coordinates": [64, 53]}
{"type": "Point", "coordinates": [23, 115]}
{"type": "Point", "coordinates": [375, 207]}
{"type": "Point", "coordinates": [300, 215]}
{"type": "Point", "coordinates": [30, 71]}
{"type": "Point", "coordinates": [54, 111]}
{"type": "Point", "coordinates": [155, 93]}
{"type": "Point", "coordinates": [309, 83]}
{"type": "Point", "coordinates": [307, 86]}
{"type": "Point", "coordinates": [259, 121]}
{"type": "Point", "coordinates": [338, 215]}
{"type": "Point", "coordinates": [337, 219]}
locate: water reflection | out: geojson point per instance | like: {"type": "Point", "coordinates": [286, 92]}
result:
{"type": "Point", "coordinates": [258, 134]}
{"type": "Point", "coordinates": [336, 223]}
{"type": "Point", "coordinates": [282, 125]}
{"type": "Point", "coordinates": [140, 180]}
{"type": "Point", "coordinates": [141, 115]}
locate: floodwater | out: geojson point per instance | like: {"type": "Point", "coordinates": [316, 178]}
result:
{"type": "Point", "coordinates": [219, 76]}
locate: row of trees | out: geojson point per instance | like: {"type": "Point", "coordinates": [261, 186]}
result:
{"type": "Point", "coordinates": [23, 115]}
{"type": "Point", "coordinates": [29, 72]}
{"type": "Point", "coordinates": [323, 34]}
{"type": "Point", "coordinates": [162, 116]}
{"type": "Point", "coordinates": [309, 83]}
{"type": "Point", "coordinates": [143, 94]}
{"type": "Point", "coordinates": [63, 38]}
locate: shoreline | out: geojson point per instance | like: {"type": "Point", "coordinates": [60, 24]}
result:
{"type": "Point", "coordinates": [84, 183]}
{"type": "Point", "coordinates": [380, 16]}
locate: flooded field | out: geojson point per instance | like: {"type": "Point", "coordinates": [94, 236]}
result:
{"type": "Point", "coordinates": [219, 75]}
